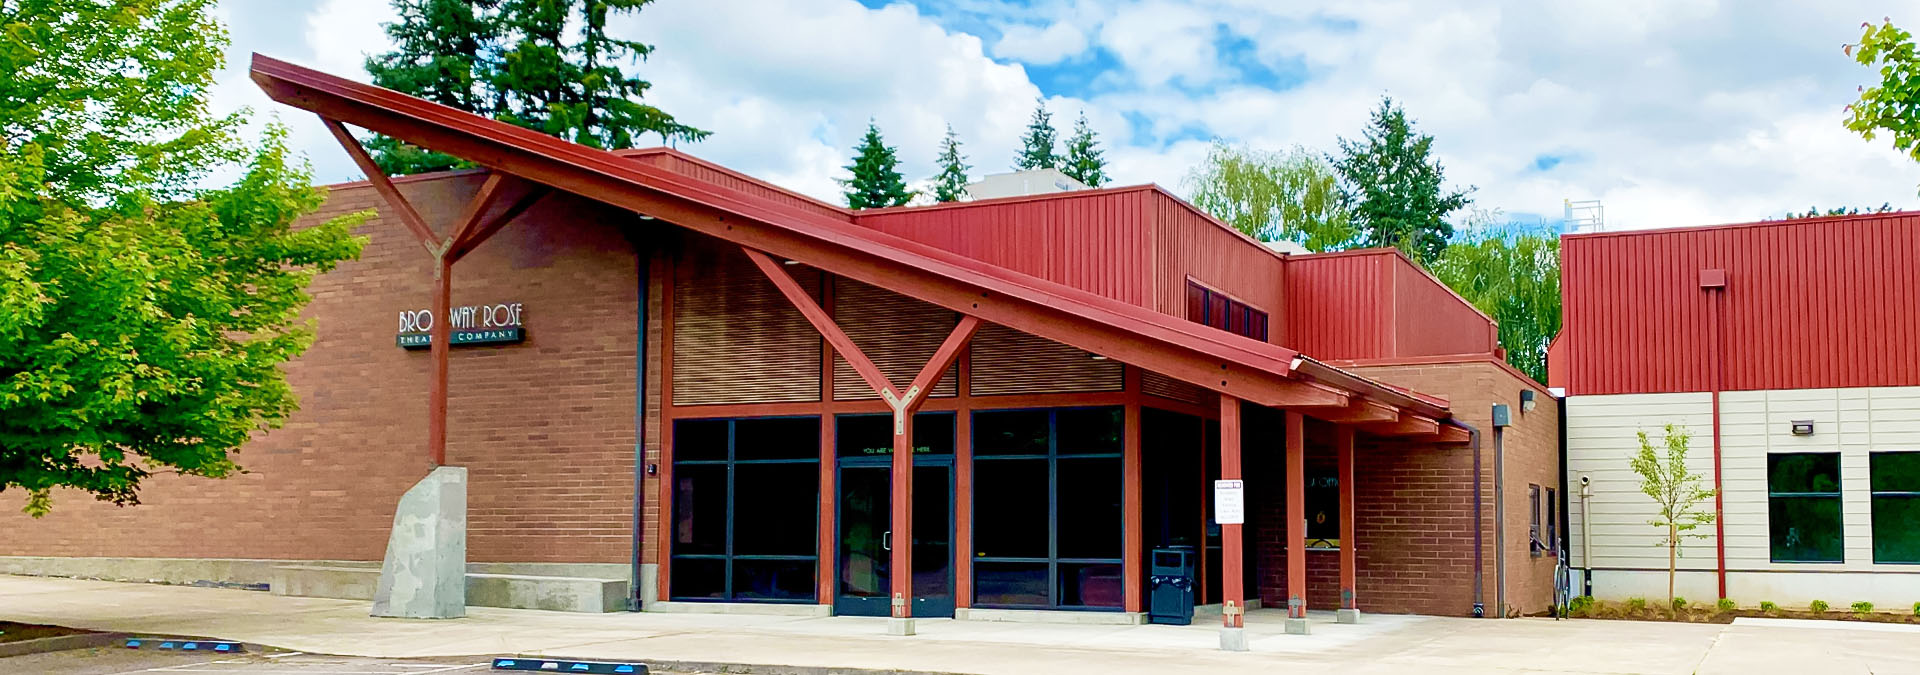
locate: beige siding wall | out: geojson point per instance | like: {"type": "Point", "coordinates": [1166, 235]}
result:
{"type": "Point", "coordinates": [1601, 442]}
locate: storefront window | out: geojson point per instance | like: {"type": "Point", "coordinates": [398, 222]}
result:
{"type": "Point", "coordinates": [1048, 526]}
{"type": "Point", "coordinates": [1803, 506]}
{"type": "Point", "coordinates": [1896, 506]}
{"type": "Point", "coordinates": [746, 497]}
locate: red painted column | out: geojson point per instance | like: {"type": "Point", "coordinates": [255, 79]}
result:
{"type": "Point", "coordinates": [1232, 593]}
{"type": "Point", "coordinates": [901, 568]}
{"type": "Point", "coordinates": [1349, 567]}
{"type": "Point", "coordinates": [1132, 556]}
{"type": "Point", "coordinates": [442, 340]}
{"type": "Point", "coordinates": [1296, 516]}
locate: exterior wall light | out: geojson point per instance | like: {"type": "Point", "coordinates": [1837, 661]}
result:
{"type": "Point", "coordinates": [1096, 357]}
{"type": "Point", "coordinates": [1803, 427]}
{"type": "Point", "coordinates": [1527, 403]}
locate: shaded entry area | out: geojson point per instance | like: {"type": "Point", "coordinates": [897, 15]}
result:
{"type": "Point", "coordinates": [864, 580]}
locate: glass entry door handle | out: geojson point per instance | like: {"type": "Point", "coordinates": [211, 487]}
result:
{"type": "Point", "coordinates": [886, 540]}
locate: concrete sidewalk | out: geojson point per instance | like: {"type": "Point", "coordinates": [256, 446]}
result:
{"type": "Point", "coordinates": [1382, 644]}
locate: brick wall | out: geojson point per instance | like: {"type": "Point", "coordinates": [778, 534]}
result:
{"type": "Point", "coordinates": [545, 427]}
{"type": "Point", "coordinates": [1414, 504]}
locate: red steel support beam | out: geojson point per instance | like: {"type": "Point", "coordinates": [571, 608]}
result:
{"type": "Point", "coordinates": [401, 209]}
{"type": "Point", "coordinates": [823, 322]}
{"type": "Point", "coordinates": [1232, 577]}
{"type": "Point", "coordinates": [1363, 411]}
{"type": "Point", "coordinates": [1349, 545]}
{"type": "Point", "coordinates": [442, 342]}
{"type": "Point", "coordinates": [1296, 473]}
{"type": "Point", "coordinates": [900, 569]}
{"type": "Point", "coordinates": [1132, 553]}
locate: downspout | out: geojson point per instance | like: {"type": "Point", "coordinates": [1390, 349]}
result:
{"type": "Point", "coordinates": [1712, 280]}
{"type": "Point", "coordinates": [643, 253]}
{"type": "Point", "coordinates": [1499, 522]}
{"type": "Point", "coordinates": [1473, 443]}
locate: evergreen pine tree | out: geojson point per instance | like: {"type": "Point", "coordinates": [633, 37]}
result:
{"type": "Point", "coordinates": [1083, 161]}
{"type": "Point", "coordinates": [440, 54]}
{"type": "Point", "coordinates": [1395, 188]}
{"type": "Point", "coordinates": [1036, 146]}
{"type": "Point", "coordinates": [951, 183]}
{"type": "Point", "coordinates": [876, 180]}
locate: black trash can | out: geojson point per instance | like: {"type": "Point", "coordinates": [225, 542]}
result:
{"type": "Point", "coordinates": [1170, 586]}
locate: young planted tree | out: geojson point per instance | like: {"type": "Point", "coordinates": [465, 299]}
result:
{"type": "Point", "coordinates": [1395, 188]}
{"type": "Point", "coordinates": [1036, 145]}
{"type": "Point", "coordinates": [1272, 196]}
{"type": "Point", "coordinates": [876, 180]}
{"type": "Point", "coordinates": [951, 183]}
{"type": "Point", "coordinates": [1083, 161]}
{"type": "Point", "coordinates": [1678, 492]}
{"type": "Point", "coordinates": [143, 320]}
{"type": "Point", "coordinates": [1893, 104]}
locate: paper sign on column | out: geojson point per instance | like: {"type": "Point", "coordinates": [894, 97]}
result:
{"type": "Point", "coordinates": [1229, 502]}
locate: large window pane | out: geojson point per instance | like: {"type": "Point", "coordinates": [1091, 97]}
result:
{"type": "Point", "coordinates": [1896, 529]}
{"type": "Point", "coordinates": [1805, 529]}
{"type": "Point", "coordinates": [1090, 585]}
{"type": "Point", "coordinates": [700, 509]}
{"type": "Point", "coordinates": [777, 438]}
{"type": "Point", "coordinates": [1010, 515]}
{"type": "Point", "coordinates": [699, 440]}
{"type": "Point", "coordinates": [1017, 432]}
{"type": "Point", "coordinates": [773, 579]}
{"type": "Point", "coordinates": [1895, 472]}
{"type": "Point", "coordinates": [1803, 473]}
{"type": "Point", "coordinates": [1090, 517]}
{"type": "Point", "coordinates": [999, 584]}
{"type": "Point", "coordinates": [700, 578]}
{"type": "Point", "coordinates": [776, 508]}
{"type": "Point", "coordinates": [933, 434]}
{"type": "Point", "coordinates": [1088, 431]}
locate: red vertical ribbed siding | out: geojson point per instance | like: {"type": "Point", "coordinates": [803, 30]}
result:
{"type": "Point", "coordinates": [1827, 302]}
{"type": "Point", "coordinates": [1188, 244]}
{"type": "Point", "coordinates": [1376, 304]}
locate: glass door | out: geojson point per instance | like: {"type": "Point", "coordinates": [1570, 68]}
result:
{"type": "Point", "coordinates": [864, 578]}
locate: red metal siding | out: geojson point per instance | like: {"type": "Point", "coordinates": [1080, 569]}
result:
{"type": "Point", "coordinates": [1095, 241]}
{"type": "Point", "coordinates": [1376, 304]}
{"type": "Point", "coordinates": [1188, 244]}
{"type": "Point", "coordinates": [1830, 302]}
{"type": "Point", "coordinates": [1432, 320]}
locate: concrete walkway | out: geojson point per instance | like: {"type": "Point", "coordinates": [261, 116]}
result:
{"type": "Point", "coordinates": [1382, 644]}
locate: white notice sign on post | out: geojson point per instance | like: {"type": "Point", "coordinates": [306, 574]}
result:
{"type": "Point", "coordinates": [1229, 502]}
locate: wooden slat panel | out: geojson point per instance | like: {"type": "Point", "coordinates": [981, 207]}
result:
{"type": "Point", "coordinates": [896, 332]}
{"type": "Point", "coordinates": [1155, 384]}
{"type": "Point", "coordinates": [1007, 361]}
{"type": "Point", "coordinates": [735, 338]}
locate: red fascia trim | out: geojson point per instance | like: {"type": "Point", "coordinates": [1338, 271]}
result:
{"type": "Point", "coordinates": [1445, 359]}
{"type": "Point", "coordinates": [674, 152]}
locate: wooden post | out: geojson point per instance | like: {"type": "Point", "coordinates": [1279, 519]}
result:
{"type": "Point", "coordinates": [1296, 523]}
{"type": "Point", "coordinates": [1349, 545]}
{"type": "Point", "coordinates": [900, 571]}
{"type": "Point", "coordinates": [1232, 577]}
{"type": "Point", "coordinates": [442, 341]}
{"type": "Point", "coordinates": [1132, 555]}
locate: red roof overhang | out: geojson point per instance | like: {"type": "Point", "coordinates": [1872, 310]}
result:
{"type": "Point", "coordinates": [1223, 362]}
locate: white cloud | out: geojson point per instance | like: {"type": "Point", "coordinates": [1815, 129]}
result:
{"type": "Point", "coordinates": [1040, 45]}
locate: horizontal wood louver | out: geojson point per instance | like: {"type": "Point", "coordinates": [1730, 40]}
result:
{"type": "Point", "coordinates": [896, 332]}
{"type": "Point", "coordinates": [1007, 361]}
{"type": "Point", "coordinates": [1155, 384]}
{"type": "Point", "coordinates": [736, 339]}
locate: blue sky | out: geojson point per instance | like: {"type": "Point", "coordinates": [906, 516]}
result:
{"type": "Point", "coordinates": [1672, 112]}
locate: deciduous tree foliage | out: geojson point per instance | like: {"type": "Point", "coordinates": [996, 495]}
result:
{"type": "Point", "coordinates": [1084, 161]}
{"type": "Point", "coordinates": [143, 320]}
{"type": "Point", "coordinates": [876, 180]}
{"type": "Point", "coordinates": [1677, 491]}
{"type": "Point", "coordinates": [1513, 275]}
{"type": "Point", "coordinates": [1036, 145]}
{"type": "Point", "coordinates": [951, 183]}
{"type": "Point", "coordinates": [549, 65]}
{"type": "Point", "coordinates": [1893, 105]}
{"type": "Point", "coordinates": [1395, 188]}
{"type": "Point", "coordinates": [1273, 196]}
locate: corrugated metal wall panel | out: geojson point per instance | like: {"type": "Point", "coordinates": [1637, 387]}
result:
{"type": "Point", "coordinates": [1340, 306]}
{"type": "Point", "coordinates": [1096, 241]}
{"type": "Point", "coordinates": [1827, 302]}
{"type": "Point", "coordinates": [897, 332]}
{"type": "Point", "coordinates": [1431, 320]}
{"type": "Point", "coordinates": [736, 339]}
{"type": "Point", "coordinates": [1189, 244]}
{"type": "Point", "coordinates": [1007, 361]}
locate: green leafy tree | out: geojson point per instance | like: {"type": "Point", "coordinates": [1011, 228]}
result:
{"type": "Point", "coordinates": [1084, 161]}
{"type": "Point", "coordinates": [1678, 492]}
{"type": "Point", "coordinates": [1815, 212]}
{"type": "Point", "coordinates": [1270, 196]}
{"type": "Point", "coordinates": [1037, 144]}
{"type": "Point", "coordinates": [1511, 273]}
{"type": "Point", "coordinates": [1395, 188]}
{"type": "Point", "coordinates": [441, 53]}
{"type": "Point", "coordinates": [549, 65]}
{"type": "Point", "coordinates": [951, 183]}
{"type": "Point", "coordinates": [1893, 105]}
{"type": "Point", "coordinates": [876, 180]}
{"type": "Point", "coordinates": [143, 320]}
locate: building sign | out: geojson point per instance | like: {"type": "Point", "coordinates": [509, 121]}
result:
{"type": "Point", "coordinates": [472, 325]}
{"type": "Point", "coordinates": [1229, 502]}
